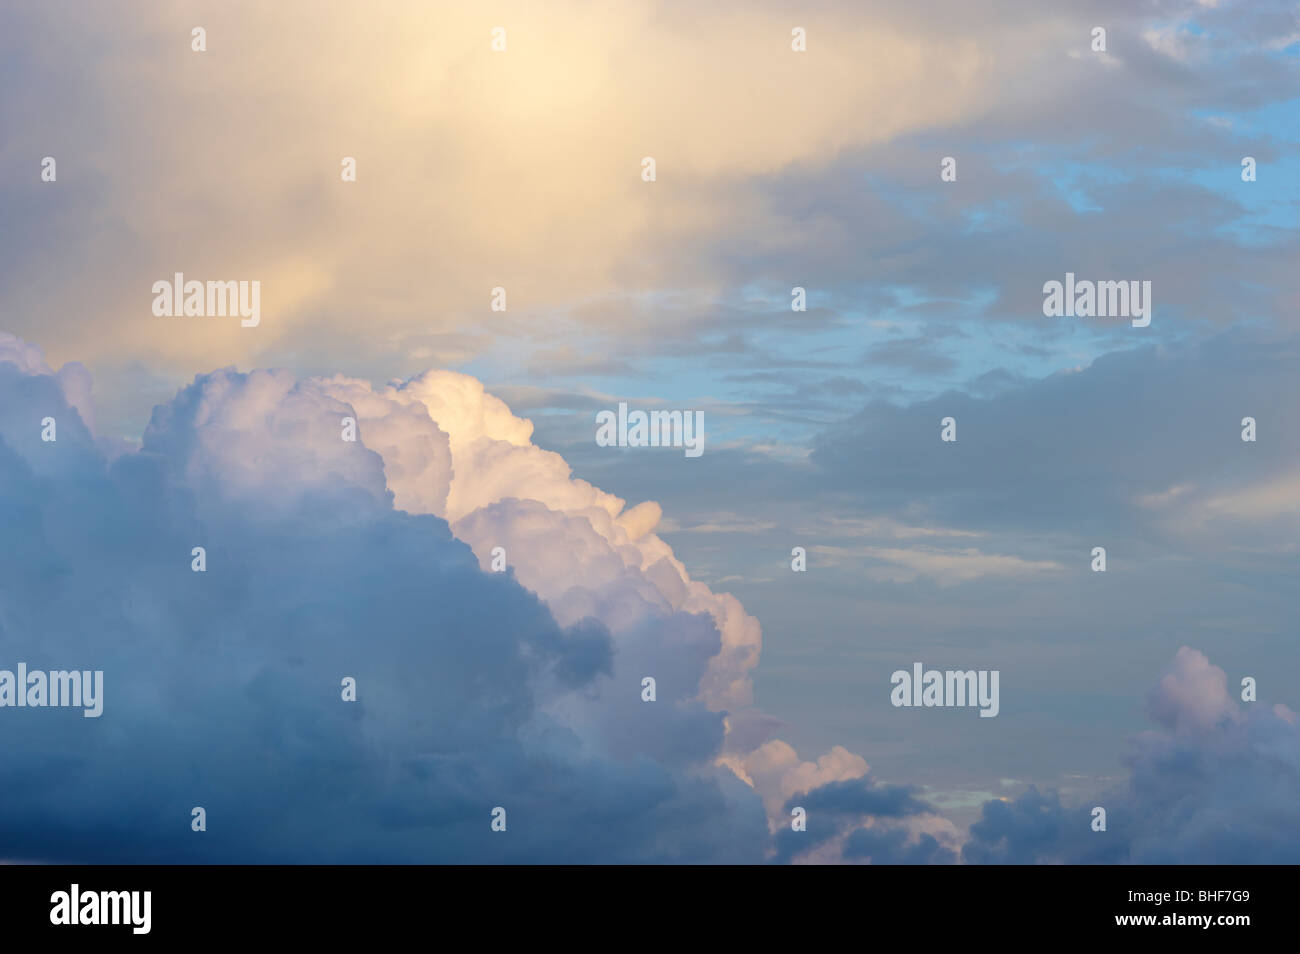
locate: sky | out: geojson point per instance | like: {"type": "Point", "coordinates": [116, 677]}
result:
{"type": "Point", "coordinates": [499, 271]}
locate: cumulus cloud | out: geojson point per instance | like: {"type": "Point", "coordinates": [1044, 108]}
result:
{"type": "Point", "coordinates": [850, 815]}
{"type": "Point", "coordinates": [583, 551]}
{"type": "Point", "coordinates": [222, 688]}
{"type": "Point", "coordinates": [776, 769]}
{"type": "Point", "coordinates": [1218, 782]}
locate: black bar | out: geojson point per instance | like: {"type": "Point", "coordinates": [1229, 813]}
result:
{"type": "Point", "coordinates": [367, 903]}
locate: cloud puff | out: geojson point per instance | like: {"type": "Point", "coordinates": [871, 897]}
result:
{"type": "Point", "coordinates": [1217, 783]}
{"type": "Point", "coordinates": [580, 549]}
{"type": "Point", "coordinates": [863, 820]}
{"type": "Point", "coordinates": [850, 816]}
{"type": "Point", "coordinates": [775, 769]}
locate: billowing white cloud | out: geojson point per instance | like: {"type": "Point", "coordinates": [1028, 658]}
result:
{"type": "Point", "coordinates": [583, 551]}
{"type": "Point", "coordinates": [222, 687]}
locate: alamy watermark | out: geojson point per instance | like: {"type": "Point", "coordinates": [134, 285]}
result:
{"type": "Point", "coordinates": [1108, 299]}
{"type": "Point", "coordinates": [951, 687]}
{"type": "Point", "coordinates": [59, 688]}
{"type": "Point", "coordinates": [74, 906]}
{"type": "Point", "coordinates": [652, 429]}
{"type": "Point", "coordinates": [194, 299]}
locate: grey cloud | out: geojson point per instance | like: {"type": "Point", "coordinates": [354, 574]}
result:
{"type": "Point", "coordinates": [1217, 783]}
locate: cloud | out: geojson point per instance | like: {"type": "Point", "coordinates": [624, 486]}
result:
{"type": "Point", "coordinates": [1035, 828]}
{"type": "Point", "coordinates": [222, 688]}
{"type": "Point", "coordinates": [654, 276]}
{"type": "Point", "coordinates": [861, 819]}
{"type": "Point", "coordinates": [850, 816]}
{"type": "Point", "coordinates": [1218, 782]}
{"type": "Point", "coordinates": [947, 567]}
{"type": "Point", "coordinates": [575, 102]}
{"type": "Point", "coordinates": [1192, 698]}
{"type": "Point", "coordinates": [774, 768]}
{"type": "Point", "coordinates": [312, 540]}
{"type": "Point", "coordinates": [882, 845]}
{"type": "Point", "coordinates": [475, 689]}
{"type": "Point", "coordinates": [1042, 456]}
{"type": "Point", "coordinates": [503, 491]}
